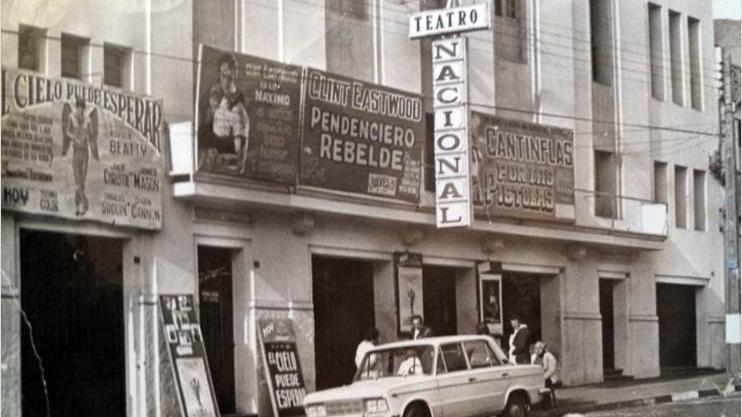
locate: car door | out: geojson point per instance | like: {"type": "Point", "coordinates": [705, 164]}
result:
{"type": "Point", "coordinates": [454, 385]}
{"type": "Point", "coordinates": [487, 388]}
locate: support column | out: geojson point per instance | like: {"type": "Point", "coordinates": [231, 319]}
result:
{"type": "Point", "coordinates": [385, 308]}
{"type": "Point", "coordinates": [467, 315]}
{"type": "Point", "coordinates": [10, 401]}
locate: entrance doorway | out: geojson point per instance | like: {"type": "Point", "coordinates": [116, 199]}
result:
{"type": "Point", "coordinates": [216, 316]}
{"type": "Point", "coordinates": [343, 296]}
{"type": "Point", "coordinates": [439, 299]}
{"type": "Point", "coordinates": [521, 295]}
{"type": "Point", "coordinates": [676, 309]}
{"type": "Point", "coordinates": [72, 294]}
{"type": "Point", "coordinates": [606, 314]}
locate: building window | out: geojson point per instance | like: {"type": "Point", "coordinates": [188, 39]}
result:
{"type": "Point", "coordinates": [116, 65]}
{"type": "Point", "coordinates": [350, 8]}
{"type": "Point", "coordinates": [699, 199]}
{"type": "Point", "coordinates": [349, 39]}
{"type": "Point", "coordinates": [676, 59]}
{"type": "Point", "coordinates": [656, 51]}
{"type": "Point", "coordinates": [681, 190]}
{"type": "Point", "coordinates": [605, 184]}
{"type": "Point", "coordinates": [660, 182]}
{"type": "Point", "coordinates": [601, 51]}
{"type": "Point", "coordinates": [509, 31]}
{"type": "Point", "coordinates": [694, 58]}
{"type": "Point", "coordinates": [30, 47]}
{"type": "Point", "coordinates": [73, 58]}
{"type": "Point", "coordinates": [506, 8]}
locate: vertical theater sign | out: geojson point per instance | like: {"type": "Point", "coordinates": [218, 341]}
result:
{"type": "Point", "coordinates": [80, 152]}
{"type": "Point", "coordinates": [453, 197]}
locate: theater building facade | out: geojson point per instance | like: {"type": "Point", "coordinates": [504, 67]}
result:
{"type": "Point", "coordinates": [288, 151]}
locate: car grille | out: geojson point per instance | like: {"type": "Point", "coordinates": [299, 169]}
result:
{"type": "Point", "coordinates": [341, 408]}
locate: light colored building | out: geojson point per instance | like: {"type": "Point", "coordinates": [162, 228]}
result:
{"type": "Point", "coordinates": [628, 280]}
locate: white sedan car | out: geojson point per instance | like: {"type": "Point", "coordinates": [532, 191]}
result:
{"type": "Point", "coordinates": [450, 376]}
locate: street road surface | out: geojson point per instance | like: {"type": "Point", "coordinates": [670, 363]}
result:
{"type": "Point", "coordinates": [711, 407]}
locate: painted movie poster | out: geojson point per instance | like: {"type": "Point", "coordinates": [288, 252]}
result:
{"type": "Point", "coordinates": [361, 138]}
{"type": "Point", "coordinates": [521, 169]}
{"type": "Point", "coordinates": [79, 151]}
{"type": "Point", "coordinates": [247, 116]}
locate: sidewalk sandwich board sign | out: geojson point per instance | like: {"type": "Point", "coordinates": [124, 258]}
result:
{"type": "Point", "coordinates": [282, 368]}
{"type": "Point", "coordinates": [182, 333]}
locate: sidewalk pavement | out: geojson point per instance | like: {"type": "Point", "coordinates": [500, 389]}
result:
{"type": "Point", "coordinates": [633, 393]}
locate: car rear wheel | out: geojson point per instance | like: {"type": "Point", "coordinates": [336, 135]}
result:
{"type": "Point", "coordinates": [416, 410]}
{"type": "Point", "coordinates": [517, 407]}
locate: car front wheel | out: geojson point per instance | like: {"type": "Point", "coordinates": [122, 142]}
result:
{"type": "Point", "coordinates": [516, 407]}
{"type": "Point", "coordinates": [416, 411]}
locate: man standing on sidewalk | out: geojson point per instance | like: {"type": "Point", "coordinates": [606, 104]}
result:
{"type": "Point", "coordinates": [518, 353]}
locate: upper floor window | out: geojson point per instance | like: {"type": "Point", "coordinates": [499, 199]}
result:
{"type": "Point", "coordinates": [681, 197]}
{"type": "Point", "coordinates": [676, 58]}
{"type": "Point", "coordinates": [351, 8]}
{"type": "Point", "coordinates": [511, 40]}
{"type": "Point", "coordinates": [116, 65]}
{"type": "Point", "coordinates": [699, 199]}
{"type": "Point", "coordinates": [660, 182]}
{"type": "Point", "coordinates": [30, 47]}
{"type": "Point", "coordinates": [601, 41]}
{"type": "Point", "coordinates": [656, 52]}
{"type": "Point", "coordinates": [506, 8]}
{"type": "Point", "coordinates": [606, 174]}
{"type": "Point", "coordinates": [694, 61]}
{"type": "Point", "coordinates": [73, 56]}
{"type": "Point", "coordinates": [349, 41]}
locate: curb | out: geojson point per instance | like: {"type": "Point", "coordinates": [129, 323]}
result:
{"type": "Point", "coordinates": [660, 399]}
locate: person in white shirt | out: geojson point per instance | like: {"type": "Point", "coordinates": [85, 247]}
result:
{"type": "Point", "coordinates": [412, 365]}
{"type": "Point", "coordinates": [370, 340]}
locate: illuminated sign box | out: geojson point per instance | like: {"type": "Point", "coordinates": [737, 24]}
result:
{"type": "Point", "coordinates": [449, 20]}
{"type": "Point", "coordinates": [451, 138]}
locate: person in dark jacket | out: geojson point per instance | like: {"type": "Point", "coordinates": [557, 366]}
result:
{"type": "Point", "coordinates": [518, 343]}
{"type": "Point", "coordinates": [419, 329]}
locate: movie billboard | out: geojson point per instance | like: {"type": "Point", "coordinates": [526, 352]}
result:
{"type": "Point", "coordinates": [79, 151]}
{"type": "Point", "coordinates": [247, 116]}
{"type": "Point", "coordinates": [361, 138]}
{"type": "Point", "coordinates": [521, 169]}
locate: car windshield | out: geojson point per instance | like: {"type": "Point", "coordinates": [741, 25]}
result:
{"type": "Point", "coordinates": [402, 361]}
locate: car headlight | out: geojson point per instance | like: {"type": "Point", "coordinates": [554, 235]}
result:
{"type": "Point", "coordinates": [376, 405]}
{"type": "Point", "coordinates": [316, 410]}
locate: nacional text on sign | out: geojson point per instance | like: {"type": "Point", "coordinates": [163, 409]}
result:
{"type": "Point", "coordinates": [451, 137]}
{"type": "Point", "coordinates": [449, 20]}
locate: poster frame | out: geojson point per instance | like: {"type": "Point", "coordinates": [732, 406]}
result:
{"type": "Point", "coordinates": [413, 264]}
{"type": "Point", "coordinates": [496, 327]}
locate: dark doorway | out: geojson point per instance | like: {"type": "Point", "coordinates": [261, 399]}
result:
{"type": "Point", "coordinates": [72, 293]}
{"type": "Point", "coordinates": [439, 299]}
{"type": "Point", "coordinates": [343, 296]}
{"type": "Point", "coordinates": [606, 314]}
{"type": "Point", "coordinates": [216, 315]}
{"type": "Point", "coordinates": [521, 295]}
{"type": "Point", "coordinates": [676, 309]}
